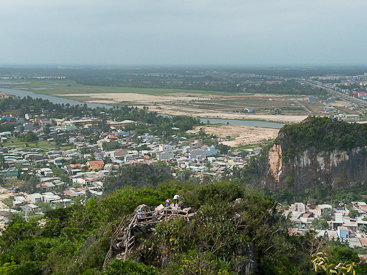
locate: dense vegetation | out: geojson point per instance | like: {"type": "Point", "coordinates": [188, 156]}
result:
{"type": "Point", "coordinates": [223, 237]}
{"type": "Point", "coordinates": [323, 134]}
{"type": "Point", "coordinates": [139, 175]}
{"type": "Point", "coordinates": [180, 72]}
{"type": "Point", "coordinates": [231, 80]}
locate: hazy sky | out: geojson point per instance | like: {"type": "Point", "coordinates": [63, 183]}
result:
{"type": "Point", "coordinates": [186, 32]}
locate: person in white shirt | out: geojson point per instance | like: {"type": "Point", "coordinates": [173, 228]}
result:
{"type": "Point", "coordinates": [175, 199]}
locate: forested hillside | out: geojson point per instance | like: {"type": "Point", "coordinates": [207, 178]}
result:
{"type": "Point", "coordinates": [321, 159]}
{"type": "Point", "coordinates": [225, 237]}
{"type": "Point", "coordinates": [323, 134]}
{"type": "Point", "coordinates": [140, 175]}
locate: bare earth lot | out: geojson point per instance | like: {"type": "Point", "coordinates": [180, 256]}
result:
{"type": "Point", "coordinates": [242, 134]}
{"type": "Point", "coordinates": [211, 106]}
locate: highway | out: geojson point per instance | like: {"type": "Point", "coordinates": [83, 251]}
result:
{"type": "Point", "coordinates": [339, 94]}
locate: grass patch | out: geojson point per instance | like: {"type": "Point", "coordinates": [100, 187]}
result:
{"type": "Point", "coordinates": [44, 145]}
{"type": "Point", "coordinates": [252, 146]}
{"type": "Point", "coordinates": [215, 125]}
{"type": "Point", "coordinates": [248, 146]}
{"type": "Point", "coordinates": [60, 87]}
{"type": "Point", "coordinates": [13, 182]}
{"type": "Point", "coordinates": [243, 119]}
{"type": "Point", "coordinates": [8, 201]}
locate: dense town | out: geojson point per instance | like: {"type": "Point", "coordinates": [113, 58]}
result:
{"type": "Point", "coordinates": [77, 168]}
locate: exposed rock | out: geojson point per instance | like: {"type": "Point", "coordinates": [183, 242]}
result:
{"type": "Point", "coordinates": [336, 169]}
{"type": "Point", "coordinates": [236, 218]}
{"type": "Point", "coordinates": [181, 177]}
{"type": "Point", "coordinates": [187, 209]}
{"type": "Point", "coordinates": [159, 208]}
{"type": "Point", "coordinates": [245, 267]}
{"type": "Point", "coordinates": [138, 259]}
{"type": "Point", "coordinates": [143, 208]}
{"type": "Point", "coordinates": [166, 261]}
{"type": "Point", "coordinates": [238, 201]}
{"type": "Point", "coordinates": [46, 269]}
{"type": "Point", "coordinates": [248, 266]}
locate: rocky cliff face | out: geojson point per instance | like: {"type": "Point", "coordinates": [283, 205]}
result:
{"type": "Point", "coordinates": [336, 169]}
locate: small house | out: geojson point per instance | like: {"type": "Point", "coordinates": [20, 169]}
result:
{"type": "Point", "coordinates": [343, 232]}
{"type": "Point", "coordinates": [248, 110]}
{"type": "Point", "coordinates": [95, 165]}
{"type": "Point", "coordinates": [312, 99]}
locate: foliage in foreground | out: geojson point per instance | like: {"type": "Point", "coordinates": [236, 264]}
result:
{"type": "Point", "coordinates": [223, 238]}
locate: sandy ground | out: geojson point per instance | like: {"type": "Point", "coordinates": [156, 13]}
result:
{"type": "Point", "coordinates": [2, 95]}
{"type": "Point", "coordinates": [243, 134]}
{"type": "Point", "coordinates": [4, 194]}
{"type": "Point", "coordinates": [149, 100]}
{"type": "Point", "coordinates": [213, 114]}
{"type": "Point", "coordinates": [140, 98]}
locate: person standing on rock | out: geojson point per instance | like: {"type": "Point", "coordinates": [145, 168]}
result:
{"type": "Point", "coordinates": [175, 199]}
{"type": "Point", "coordinates": [168, 201]}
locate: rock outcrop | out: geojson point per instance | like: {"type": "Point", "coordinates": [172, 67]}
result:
{"type": "Point", "coordinates": [337, 169]}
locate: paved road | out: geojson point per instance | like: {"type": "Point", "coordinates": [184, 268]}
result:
{"type": "Point", "coordinates": [340, 94]}
{"type": "Point", "coordinates": [303, 106]}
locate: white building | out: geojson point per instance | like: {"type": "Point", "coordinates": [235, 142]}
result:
{"type": "Point", "coordinates": [34, 198]}
{"type": "Point", "coordinates": [165, 156]}
{"type": "Point", "coordinates": [166, 148]}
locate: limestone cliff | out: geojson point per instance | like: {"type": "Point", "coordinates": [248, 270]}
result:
{"type": "Point", "coordinates": [291, 165]}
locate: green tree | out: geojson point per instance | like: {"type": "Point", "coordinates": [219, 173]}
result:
{"type": "Point", "coordinates": [30, 136]}
{"type": "Point", "coordinates": [363, 228]}
{"type": "Point", "coordinates": [353, 213]}
{"type": "Point", "coordinates": [320, 224]}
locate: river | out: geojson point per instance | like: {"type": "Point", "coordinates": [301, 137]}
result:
{"type": "Point", "coordinates": [59, 100]}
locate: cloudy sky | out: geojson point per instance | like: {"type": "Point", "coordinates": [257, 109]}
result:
{"type": "Point", "coordinates": [186, 32]}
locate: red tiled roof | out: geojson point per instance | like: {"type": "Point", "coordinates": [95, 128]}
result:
{"type": "Point", "coordinates": [76, 165]}
{"type": "Point", "coordinates": [96, 162]}
{"type": "Point", "coordinates": [363, 241]}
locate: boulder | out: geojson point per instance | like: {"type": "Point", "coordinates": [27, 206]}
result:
{"type": "Point", "coordinates": [187, 209]}
{"type": "Point", "coordinates": [238, 201]}
{"type": "Point", "coordinates": [236, 218]}
{"type": "Point", "coordinates": [159, 208]}
{"type": "Point", "coordinates": [143, 208]}
{"type": "Point", "coordinates": [166, 261]}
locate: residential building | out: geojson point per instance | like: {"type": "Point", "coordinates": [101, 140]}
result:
{"type": "Point", "coordinates": [343, 232]}
{"type": "Point", "coordinates": [209, 150]}
{"type": "Point", "coordinates": [95, 165]}
{"type": "Point", "coordinates": [312, 99]}
{"type": "Point", "coordinates": [197, 154]}
{"type": "Point", "coordinates": [330, 109]}
{"type": "Point", "coordinates": [248, 110]}
{"type": "Point", "coordinates": [166, 148]}
{"type": "Point", "coordinates": [9, 174]}
{"type": "Point", "coordinates": [35, 198]}
{"type": "Point", "coordinates": [165, 156]}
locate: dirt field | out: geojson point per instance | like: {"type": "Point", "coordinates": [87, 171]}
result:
{"type": "Point", "coordinates": [168, 104]}
{"type": "Point", "coordinates": [293, 109]}
{"type": "Point", "coordinates": [214, 114]}
{"type": "Point", "coordinates": [4, 194]}
{"type": "Point", "coordinates": [242, 135]}
{"type": "Point", "coordinates": [140, 98]}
